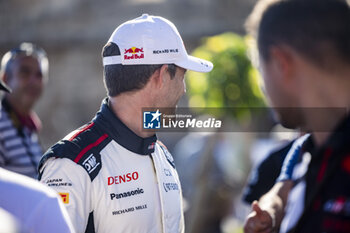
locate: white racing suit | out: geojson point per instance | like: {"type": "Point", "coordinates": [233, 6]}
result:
{"type": "Point", "coordinates": [112, 180]}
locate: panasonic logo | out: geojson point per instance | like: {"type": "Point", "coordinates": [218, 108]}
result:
{"type": "Point", "coordinates": [126, 194]}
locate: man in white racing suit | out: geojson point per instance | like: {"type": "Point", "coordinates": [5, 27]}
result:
{"type": "Point", "coordinates": [113, 175]}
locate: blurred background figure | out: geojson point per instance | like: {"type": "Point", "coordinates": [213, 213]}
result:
{"type": "Point", "coordinates": [24, 69]}
{"type": "Point", "coordinates": [28, 206]}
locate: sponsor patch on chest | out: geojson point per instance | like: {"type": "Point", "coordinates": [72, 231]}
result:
{"type": "Point", "coordinates": [130, 193]}
{"type": "Point", "coordinates": [124, 178]}
{"type": "Point", "coordinates": [130, 209]}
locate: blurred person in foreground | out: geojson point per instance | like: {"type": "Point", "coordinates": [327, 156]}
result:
{"type": "Point", "coordinates": [114, 175]}
{"type": "Point", "coordinates": [35, 207]}
{"type": "Point", "coordinates": [304, 54]}
{"type": "Point", "coordinates": [24, 70]}
{"type": "Point", "coordinates": [26, 205]}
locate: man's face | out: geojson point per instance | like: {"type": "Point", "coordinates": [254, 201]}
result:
{"type": "Point", "coordinates": [176, 88]}
{"type": "Point", "coordinates": [280, 94]}
{"type": "Point", "coordinates": [26, 81]}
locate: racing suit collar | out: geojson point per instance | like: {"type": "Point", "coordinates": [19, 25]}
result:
{"type": "Point", "coordinates": [339, 138]}
{"type": "Point", "coordinates": [121, 133]}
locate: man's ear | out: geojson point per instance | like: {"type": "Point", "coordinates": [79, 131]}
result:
{"type": "Point", "coordinates": [159, 76]}
{"type": "Point", "coordinates": [283, 61]}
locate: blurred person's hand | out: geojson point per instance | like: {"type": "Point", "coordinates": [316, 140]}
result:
{"type": "Point", "coordinates": [258, 220]}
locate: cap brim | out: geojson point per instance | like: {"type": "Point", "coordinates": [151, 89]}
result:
{"type": "Point", "coordinates": [195, 64]}
{"type": "Point", "coordinates": [4, 87]}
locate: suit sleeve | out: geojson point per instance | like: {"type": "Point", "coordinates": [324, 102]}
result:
{"type": "Point", "coordinates": [73, 184]}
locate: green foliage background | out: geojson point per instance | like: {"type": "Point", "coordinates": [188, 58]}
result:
{"type": "Point", "coordinates": [233, 82]}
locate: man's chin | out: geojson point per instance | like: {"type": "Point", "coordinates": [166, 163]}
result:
{"type": "Point", "coordinates": [286, 118]}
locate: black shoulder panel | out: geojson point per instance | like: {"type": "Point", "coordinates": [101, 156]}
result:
{"type": "Point", "coordinates": [83, 148]}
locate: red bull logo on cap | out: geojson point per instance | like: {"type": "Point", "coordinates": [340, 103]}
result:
{"type": "Point", "coordinates": [133, 53]}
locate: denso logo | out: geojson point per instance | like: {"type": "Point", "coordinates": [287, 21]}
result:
{"type": "Point", "coordinates": [133, 53]}
{"type": "Point", "coordinates": [123, 178]}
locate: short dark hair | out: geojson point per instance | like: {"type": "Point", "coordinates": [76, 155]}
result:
{"type": "Point", "coordinates": [123, 78]}
{"type": "Point", "coordinates": [317, 29]}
